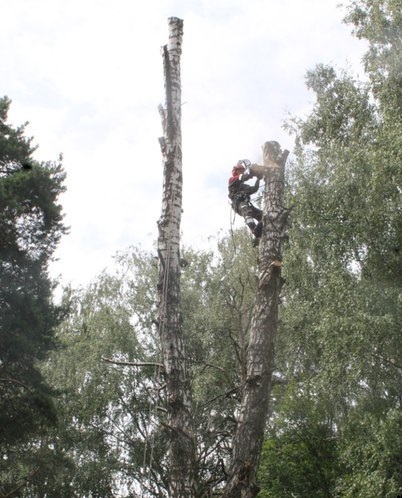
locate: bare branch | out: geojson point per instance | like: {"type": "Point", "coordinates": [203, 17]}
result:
{"type": "Point", "coordinates": [22, 484]}
{"type": "Point", "coordinates": [226, 394]}
{"type": "Point", "coordinates": [15, 381]}
{"type": "Point", "coordinates": [134, 363]}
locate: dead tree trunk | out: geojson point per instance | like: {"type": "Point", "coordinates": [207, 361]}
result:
{"type": "Point", "coordinates": [179, 422]}
{"type": "Point", "coordinates": [247, 443]}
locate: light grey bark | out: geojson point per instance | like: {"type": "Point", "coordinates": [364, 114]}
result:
{"type": "Point", "coordinates": [247, 443]}
{"type": "Point", "coordinates": [179, 421]}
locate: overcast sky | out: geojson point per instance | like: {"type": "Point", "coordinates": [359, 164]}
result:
{"type": "Point", "coordinates": [87, 75]}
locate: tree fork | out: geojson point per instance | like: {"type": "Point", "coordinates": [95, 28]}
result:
{"type": "Point", "coordinates": [248, 440]}
{"type": "Point", "coordinates": [179, 422]}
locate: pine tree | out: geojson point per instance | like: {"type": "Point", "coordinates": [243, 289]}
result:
{"type": "Point", "coordinates": [30, 228]}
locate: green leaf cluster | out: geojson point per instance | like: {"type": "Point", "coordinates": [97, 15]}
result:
{"type": "Point", "coordinates": [340, 338]}
{"type": "Point", "coordinates": [111, 420]}
{"type": "Point", "coordinates": [108, 411]}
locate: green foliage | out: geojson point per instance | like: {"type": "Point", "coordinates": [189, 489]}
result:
{"type": "Point", "coordinates": [371, 455]}
{"type": "Point", "coordinates": [30, 228]}
{"type": "Point", "coordinates": [110, 415]}
{"type": "Point", "coordinates": [340, 337]}
{"type": "Point", "coordinates": [335, 424]}
{"type": "Point", "coordinates": [218, 346]}
{"type": "Point", "coordinates": [15, 147]}
{"type": "Point", "coordinates": [108, 420]}
{"type": "Point", "coordinates": [299, 456]}
{"type": "Point", "coordinates": [380, 23]}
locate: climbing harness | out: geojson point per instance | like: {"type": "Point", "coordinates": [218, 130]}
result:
{"type": "Point", "coordinates": [236, 200]}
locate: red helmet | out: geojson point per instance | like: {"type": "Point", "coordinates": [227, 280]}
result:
{"type": "Point", "coordinates": [239, 166]}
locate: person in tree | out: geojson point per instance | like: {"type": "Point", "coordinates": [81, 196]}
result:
{"type": "Point", "coordinates": [240, 192]}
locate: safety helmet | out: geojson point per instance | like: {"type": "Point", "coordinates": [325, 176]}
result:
{"type": "Point", "coordinates": [239, 166]}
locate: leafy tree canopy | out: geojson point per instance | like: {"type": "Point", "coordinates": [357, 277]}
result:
{"type": "Point", "coordinates": [340, 341]}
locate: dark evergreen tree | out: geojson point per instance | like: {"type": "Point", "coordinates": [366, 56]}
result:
{"type": "Point", "coordinates": [30, 228]}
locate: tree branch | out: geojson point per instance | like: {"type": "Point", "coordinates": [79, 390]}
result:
{"type": "Point", "coordinates": [223, 395]}
{"type": "Point", "coordinates": [19, 486]}
{"type": "Point", "coordinates": [15, 381]}
{"type": "Point", "coordinates": [134, 363]}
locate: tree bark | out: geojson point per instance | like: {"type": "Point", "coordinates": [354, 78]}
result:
{"type": "Point", "coordinates": [179, 422]}
{"type": "Point", "coordinates": [247, 443]}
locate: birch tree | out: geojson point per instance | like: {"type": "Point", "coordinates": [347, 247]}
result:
{"type": "Point", "coordinates": [248, 439]}
{"type": "Point", "coordinates": [178, 405]}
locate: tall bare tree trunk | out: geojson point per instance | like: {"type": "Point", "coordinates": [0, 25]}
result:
{"type": "Point", "coordinates": [179, 422]}
{"type": "Point", "coordinates": [247, 444]}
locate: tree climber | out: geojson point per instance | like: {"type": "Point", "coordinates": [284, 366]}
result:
{"type": "Point", "coordinates": [240, 196]}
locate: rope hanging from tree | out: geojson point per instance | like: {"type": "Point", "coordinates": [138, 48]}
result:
{"type": "Point", "coordinates": [153, 406]}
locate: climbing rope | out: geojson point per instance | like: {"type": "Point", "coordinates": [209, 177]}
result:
{"type": "Point", "coordinates": [153, 405]}
{"type": "Point", "coordinates": [150, 441]}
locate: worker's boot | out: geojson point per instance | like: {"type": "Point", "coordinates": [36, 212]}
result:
{"type": "Point", "coordinates": [258, 230]}
{"type": "Point", "coordinates": [252, 226]}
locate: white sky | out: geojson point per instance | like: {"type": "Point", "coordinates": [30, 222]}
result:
{"type": "Point", "coordinates": [87, 75]}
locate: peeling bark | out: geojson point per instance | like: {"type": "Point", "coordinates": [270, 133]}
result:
{"type": "Point", "coordinates": [179, 422]}
{"type": "Point", "coordinates": [247, 444]}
